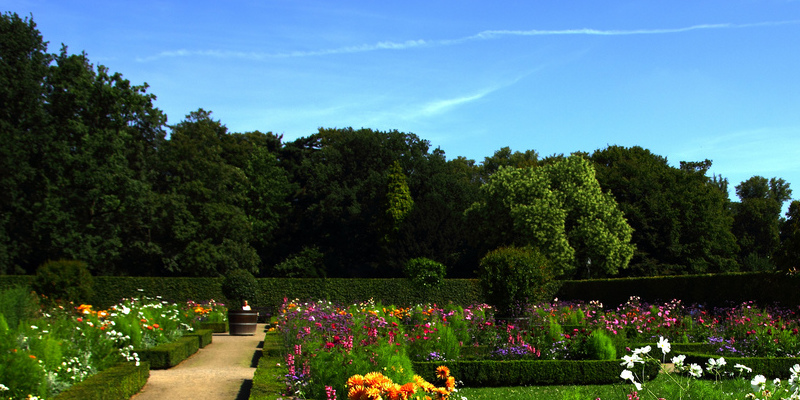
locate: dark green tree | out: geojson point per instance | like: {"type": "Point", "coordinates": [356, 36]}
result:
{"type": "Point", "coordinates": [24, 65]}
{"type": "Point", "coordinates": [82, 143]}
{"type": "Point", "coordinates": [757, 220]}
{"type": "Point", "coordinates": [340, 205]}
{"type": "Point", "coordinates": [788, 255]}
{"type": "Point", "coordinates": [203, 228]}
{"type": "Point", "coordinates": [679, 216]}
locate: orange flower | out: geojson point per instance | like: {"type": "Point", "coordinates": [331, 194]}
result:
{"type": "Point", "coordinates": [355, 380]}
{"type": "Point", "coordinates": [357, 392]}
{"type": "Point", "coordinates": [408, 389]}
{"type": "Point", "coordinates": [450, 384]}
{"type": "Point", "coordinates": [442, 372]}
{"type": "Point", "coordinates": [32, 356]}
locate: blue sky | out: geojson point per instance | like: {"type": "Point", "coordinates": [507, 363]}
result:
{"type": "Point", "coordinates": [688, 80]}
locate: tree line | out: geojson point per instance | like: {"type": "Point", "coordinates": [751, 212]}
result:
{"type": "Point", "coordinates": [90, 170]}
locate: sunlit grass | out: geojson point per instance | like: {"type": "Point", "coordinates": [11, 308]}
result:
{"type": "Point", "coordinates": [661, 387]}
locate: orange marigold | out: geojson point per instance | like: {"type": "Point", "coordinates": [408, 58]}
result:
{"type": "Point", "coordinates": [408, 389]}
{"type": "Point", "coordinates": [442, 372]}
{"type": "Point", "coordinates": [450, 384]}
{"type": "Point", "coordinates": [355, 380]}
{"type": "Point", "coordinates": [357, 393]}
{"type": "Point", "coordinates": [374, 394]}
{"type": "Point", "coordinates": [374, 379]}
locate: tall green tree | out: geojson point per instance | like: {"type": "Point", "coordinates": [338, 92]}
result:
{"type": "Point", "coordinates": [680, 217]}
{"type": "Point", "coordinates": [24, 65]}
{"type": "Point", "coordinates": [757, 220]}
{"type": "Point", "coordinates": [398, 198]}
{"type": "Point", "coordinates": [787, 256]}
{"type": "Point", "coordinates": [203, 228]}
{"type": "Point", "coordinates": [560, 210]}
{"type": "Point", "coordinates": [89, 139]}
{"type": "Point", "coordinates": [340, 206]}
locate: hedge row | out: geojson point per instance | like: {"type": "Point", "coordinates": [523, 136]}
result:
{"type": "Point", "coordinates": [204, 336]}
{"type": "Point", "coordinates": [268, 377]}
{"type": "Point", "coordinates": [169, 355]}
{"type": "Point", "coordinates": [120, 382]}
{"type": "Point", "coordinates": [713, 290]}
{"type": "Point", "coordinates": [491, 373]}
{"type": "Point", "coordinates": [777, 367]}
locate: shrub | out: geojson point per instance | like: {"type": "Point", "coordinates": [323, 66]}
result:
{"type": "Point", "coordinates": [600, 346]}
{"type": "Point", "coordinates": [239, 286]}
{"type": "Point", "coordinates": [308, 263]}
{"type": "Point", "coordinates": [425, 273]}
{"type": "Point", "coordinates": [510, 276]}
{"type": "Point", "coordinates": [67, 280]}
{"type": "Point", "coordinates": [18, 304]}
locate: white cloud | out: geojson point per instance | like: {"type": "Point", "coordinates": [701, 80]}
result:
{"type": "Point", "coordinates": [484, 35]}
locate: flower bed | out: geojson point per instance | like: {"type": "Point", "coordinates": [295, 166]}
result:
{"type": "Point", "coordinates": [63, 345]}
{"type": "Point", "coordinates": [327, 343]}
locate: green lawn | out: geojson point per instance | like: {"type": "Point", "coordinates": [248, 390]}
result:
{"type": "Point", "coordinates": [660, 387]}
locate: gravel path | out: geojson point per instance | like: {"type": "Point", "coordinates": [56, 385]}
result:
{"type": "Point", "coordinates": [223, 370]}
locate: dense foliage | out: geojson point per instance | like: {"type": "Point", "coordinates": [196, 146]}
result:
{"type": "Point", "coordinates": [90, 171]}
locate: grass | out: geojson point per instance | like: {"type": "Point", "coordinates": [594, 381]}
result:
{"type": "Point", "coordinates": [661, 387]}
{"type": "Point", "coordinates": [267, 381]}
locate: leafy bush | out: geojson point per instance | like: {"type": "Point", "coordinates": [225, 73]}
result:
{"type": "Point", "coordinates": [425, 273]}
{"type": "Point", "coordinates": [308, 263]}
{"type": "Point", "coordinates": [600, 346]}
{"type": "Point", "coordinates": [239, 286]}
{"type": "Point", "coordinates": [66, 280]}
{"type": "Point", "coordinates": [511, 276]}
{"type": "Point", "coordinates": [18, 304]}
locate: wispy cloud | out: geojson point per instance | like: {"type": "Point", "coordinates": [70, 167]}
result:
{"type": "Point", "coordinates": [484, 35]}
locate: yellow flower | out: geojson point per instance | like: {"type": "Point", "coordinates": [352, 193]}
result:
{"type": "Point", "coordinates": [442, 372]}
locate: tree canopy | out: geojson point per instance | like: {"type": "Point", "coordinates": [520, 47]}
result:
{"type": "Point", "coordinates": [90, 171]}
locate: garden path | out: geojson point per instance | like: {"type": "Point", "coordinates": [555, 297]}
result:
{"type": "Point", "coordinates": [223, 370]}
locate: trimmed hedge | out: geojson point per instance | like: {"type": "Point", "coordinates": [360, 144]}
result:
{"type": "Point", "coordinates": [267, 380]}
{"type": "Point", "coordinates": [777, 367]}
{"type": "Point", "coordinates": [714, 290]}
{"type": "Point", "coordinates": [764, 288]}
{"type": "Point", "coordinates": [215, 327]}
{"type": "Point", "coordinates": [119, 382]}
{"type": "Point", "coordinates": [170, 354]}
{"type": "Point", "coordinates": [489, 373]}
{"type": "Point", "coordinates": [204, 336]}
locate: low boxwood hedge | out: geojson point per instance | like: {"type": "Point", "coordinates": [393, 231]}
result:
{"type": "Point", "coordinates": [116, 383]}
{"type": "Point", "coordinates": [204, 336]}
{"type": "Point", "coordinates": [490, 373]}
{"type": "Point", "coordinates": [771, 367]}
{"type": "Point", "coordinates": [268, 378]}
{"type": "Point", "coordinates": [170, 354]}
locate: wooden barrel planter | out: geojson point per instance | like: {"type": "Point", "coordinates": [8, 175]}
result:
{"type": "Point", "coordinates": [242, 323]}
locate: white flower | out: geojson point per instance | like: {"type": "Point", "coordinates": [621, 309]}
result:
{"type": "Point", "coordinates": [715, 363]}
{"type": "Point", "coordinates": [628, 376]}
{"type": "Point", "coordinates": [643, 350]}
{"type": "Point", "coordinates": [743, 368]}
{"type": "Point", "coordinates": [664, 345]}
{"type": "Point", "coordinates": [628, 361]}
{"type": "Point", "coordinates": [777, 382]}
{"type": "Point", "coordinates": [678, 360]}
{"type": "Point", "coordinates": [758, 381]}
{"type": "Point", "coordinates": [3, 388]}
{"type": "Point", "coordinates": [34, 327]}
{"type": "Point", "coordinates": [695, 370]}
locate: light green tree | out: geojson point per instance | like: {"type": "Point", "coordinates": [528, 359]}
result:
{"type": "Point", "coordinates": [559, 209]}
{"type": "Point", "coordinates": [398, 197]}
